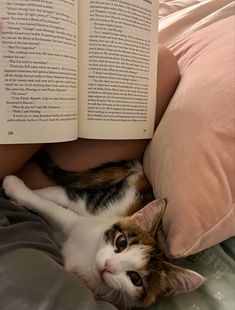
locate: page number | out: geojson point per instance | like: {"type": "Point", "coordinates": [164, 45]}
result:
{"type": "Point", "coordinates": [10, 133]}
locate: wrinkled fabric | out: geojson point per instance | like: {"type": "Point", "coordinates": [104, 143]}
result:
{"type": "Point", "coordinates": [32, 276]}
{"type": "Point", "coordinates": [31, 269]}
{"type": "Point", "coordinates": [190, 159]}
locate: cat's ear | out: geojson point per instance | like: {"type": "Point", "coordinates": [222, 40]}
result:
{"type": "Point", "coordinates": [149, 217]}
{"type": "Point", "coordinates": [180, 280]}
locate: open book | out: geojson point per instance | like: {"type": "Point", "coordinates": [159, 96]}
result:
{"type": "Point", "coordinates": [77, 68]}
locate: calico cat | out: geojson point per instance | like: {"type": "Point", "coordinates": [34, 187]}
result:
{"type": "Point", "coordinates": [112, 230]}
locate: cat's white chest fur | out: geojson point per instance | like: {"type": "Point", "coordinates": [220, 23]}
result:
{"type": "Point", "coordinates": [107, 250]}
{"type": "Point", "coordinates": [80, 249]}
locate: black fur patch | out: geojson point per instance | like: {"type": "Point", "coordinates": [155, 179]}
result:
{"type": "Point", "coordinates": [110, 234]}
{"type": "Point", "coordinates": [98, 197]}
{"type": "Point", "coordinates": [98, 186]}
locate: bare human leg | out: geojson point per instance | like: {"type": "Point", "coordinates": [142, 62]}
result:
{"type": "Point", "coordinates": [14, 156]}
{"type": "Point", "coordinates": [84, 153]}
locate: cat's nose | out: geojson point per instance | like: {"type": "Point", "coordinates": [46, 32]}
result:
{"type": "Point", "coordinates": [106, 268]}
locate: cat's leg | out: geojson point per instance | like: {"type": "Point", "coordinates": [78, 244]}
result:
{"type": "Point", "coordinates": [16, 190]}
{"type": "Point", "coordinates": [54, 193]}
{"type": "Point", "coordinates": [58, 195]}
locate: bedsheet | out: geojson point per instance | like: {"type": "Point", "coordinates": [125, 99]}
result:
{"type": "Point", "coordinates": [29, 256]}
{"type": "Point", "coordinates": [217, 264]}
{"type": "Point", "coordinates": [32, 276]}
{"type": "Point", "coordinates": [179, 18]}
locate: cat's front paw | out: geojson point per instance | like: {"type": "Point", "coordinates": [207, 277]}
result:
{"type": "Point", "coordinates": [15, 189]}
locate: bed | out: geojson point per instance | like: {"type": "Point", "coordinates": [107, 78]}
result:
{"type": "Point", "coordinates": [201, 34]}
{"type": "Point", "coordinates": [196, 135]}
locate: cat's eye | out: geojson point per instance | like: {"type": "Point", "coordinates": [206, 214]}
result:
{"type": "Point", "coordinates": [121, 243]}
{"type": "Point", "coordinates": [135, 278]}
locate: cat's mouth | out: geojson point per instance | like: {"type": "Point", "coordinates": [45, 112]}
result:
{"type": "Point", "coordinates": [98, 273]}
{"type": "Point", "coordinates": [104, 270]}
{"type": "Point", "coordinates": [102, 275]}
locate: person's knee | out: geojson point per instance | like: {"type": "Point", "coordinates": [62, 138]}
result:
{"type": "Point", "coordinates": [167, 80]}
{"type": "Point", "coordinates": [167, 63]}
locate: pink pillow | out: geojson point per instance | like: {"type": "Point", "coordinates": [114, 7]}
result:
{"type": "Point", "coordinates": [191, 158]}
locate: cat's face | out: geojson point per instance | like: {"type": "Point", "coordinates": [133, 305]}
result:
{"type": "Point", "coordinates": [126, 262]}
{"type": "Point", "coordinates": [132, 267]}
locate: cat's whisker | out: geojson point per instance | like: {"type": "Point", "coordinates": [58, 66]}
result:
{"type": "Point", "coordinates": [111, 295]}
{"type": "Point", "coordinates": [120, 291]}
{"type": "Point", "coordinates": [122, 297]}
{"type": "Point", "coordinates": [116, 293]}
{"type": "Point", "coordinates": [108, 296]}
{"type": "Point", "coordinates": [100, 214]}
{"type": "Point", "coordinates": [126, 300]}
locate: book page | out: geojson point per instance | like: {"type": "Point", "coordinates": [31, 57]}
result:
{"type": "Point", "coordinates": [118, 68]}
{"type": "Point", "coordinates": [38, 70]}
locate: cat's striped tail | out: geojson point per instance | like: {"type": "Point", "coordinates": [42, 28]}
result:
{"type": "Point", "coordinates": [112, 172]}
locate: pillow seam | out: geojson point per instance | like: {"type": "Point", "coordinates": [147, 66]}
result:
{"type": "Point", "coordinates": [187, 252]}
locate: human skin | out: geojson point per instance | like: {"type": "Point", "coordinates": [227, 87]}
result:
{"type": "Point", "coordinates": [87, 153]}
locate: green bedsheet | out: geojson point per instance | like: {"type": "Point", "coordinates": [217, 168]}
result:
{"type": "Point", "coordinates": [32, 276]}
{"type": "Point", "coordinates": [217, 264]}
